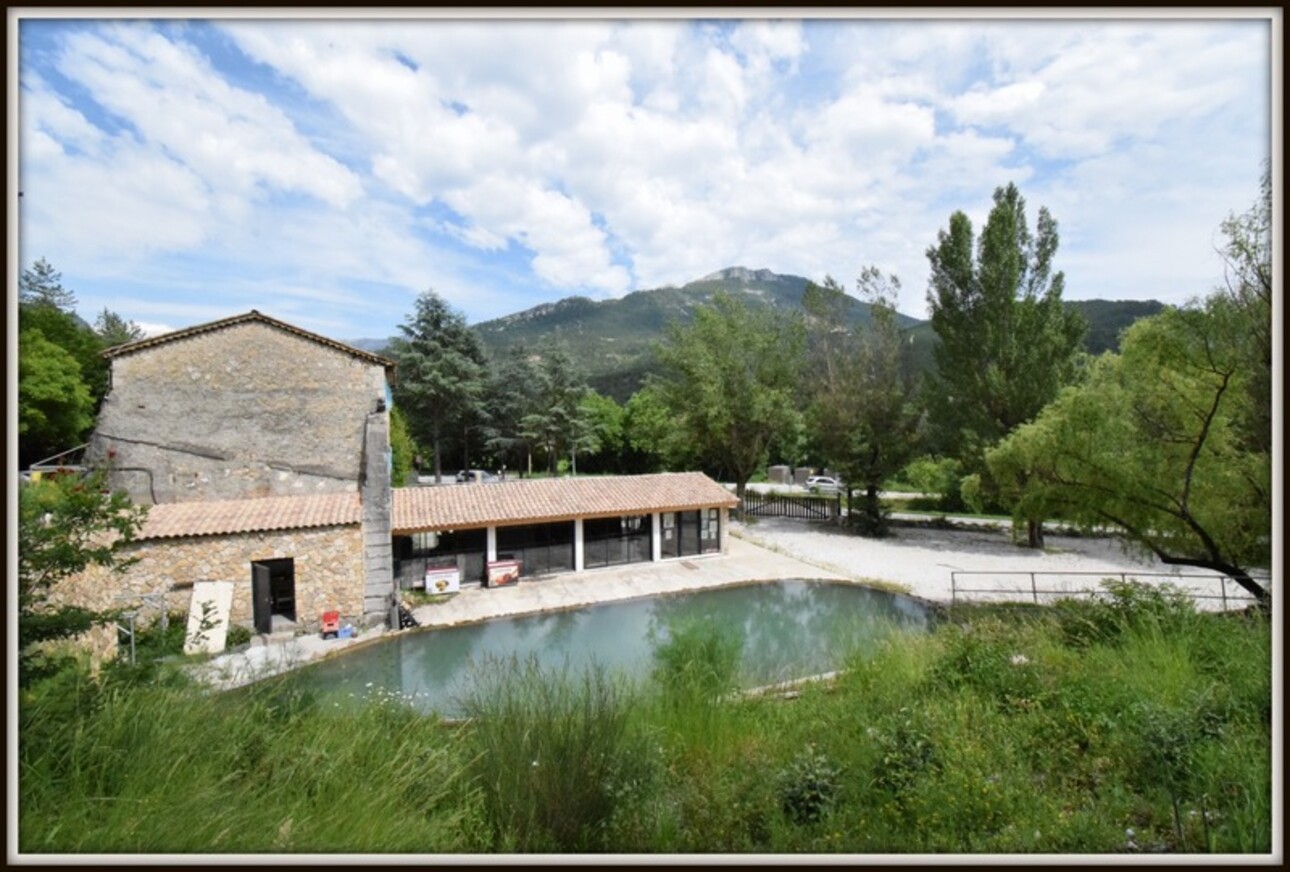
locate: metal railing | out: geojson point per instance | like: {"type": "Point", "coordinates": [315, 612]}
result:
{"type": "Point", "coordinates": [1198, 586]}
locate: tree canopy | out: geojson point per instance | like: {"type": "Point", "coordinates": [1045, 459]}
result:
{"type": "Point", "coordinates": [55, 408]}
{"type": "Point", "coordinates": [555, 420]}
{"type": "Point", "coordinates": [864, 414]}
{"type": "Point", "coordinates": [41, 284]}
{"type": "Point", "coordinates": [64, 526]}
{"type": "Point", "coordinates": [1152, 445]}
{"type": "Point", "coordinates": [729, 381]}
{"type": "Point", "coordinates": [1247, 258]}
{"type": "Point", "coordinates": [114, 330]}
{"type": "Point", "coordinates": [442, 372]}
{"type": "Point", "coordinates": [1006, 342]}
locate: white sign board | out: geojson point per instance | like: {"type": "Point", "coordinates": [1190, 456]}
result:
{"type": "Point", "coordinates": [208, 617]}
{"type": "Point", "coordinates": [443, 580]}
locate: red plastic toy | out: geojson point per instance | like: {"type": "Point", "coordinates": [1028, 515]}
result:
{"type": "Point", "coordinates": [330, 624]}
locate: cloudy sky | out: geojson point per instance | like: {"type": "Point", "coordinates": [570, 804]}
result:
{"type": "Point", "coordinates": [326, 171]}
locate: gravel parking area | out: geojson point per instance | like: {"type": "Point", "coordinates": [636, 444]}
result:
{"type": "Point", "coordinates": [920, 560]}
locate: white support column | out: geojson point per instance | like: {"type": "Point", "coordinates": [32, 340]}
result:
{"type": "Point", "coordinates": [578, 562]}
{"type": "Point", "coordinates": [723, 519]}
{"type": "Point", "coordinates": [655, 538]}
{"type": "Point", "coordinates": [491, 538]}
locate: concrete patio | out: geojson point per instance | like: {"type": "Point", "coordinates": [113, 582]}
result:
{"type": "Point", "coordinates": [745, 562]}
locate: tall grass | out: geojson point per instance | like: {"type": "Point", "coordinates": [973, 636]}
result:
{"type": "Point", "coordinates": [1134, 726]}
{"type": "Point", "coordinates": [168, 769]}
{"type": "Point", "coordinates": [554, 754]}
{"type": "Point", "coordinates": [696, 669]}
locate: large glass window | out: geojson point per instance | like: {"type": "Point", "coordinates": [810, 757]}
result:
{"type": "Point", "coordinates": [465, 549]}
{"type": "Point", "coordinates": [615, 541]}
{"type": "Point", "coordinates": [682, 533]}
{"type": "Point", "coordinates": [710, 531]}
{"type": "Point", "coordinates": [540, 548]}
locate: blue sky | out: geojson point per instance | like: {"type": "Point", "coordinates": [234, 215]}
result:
{"type": "Point", "coordinates": [326, 171]}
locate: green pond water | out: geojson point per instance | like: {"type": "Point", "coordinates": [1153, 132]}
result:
{"type": "Point", "coordinates": [790, 629]}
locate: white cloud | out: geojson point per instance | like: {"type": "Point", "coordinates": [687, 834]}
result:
{"type": "Point", "coordinates": [169, 94]}
{"type": "Point", "coordinates": [494, 159]}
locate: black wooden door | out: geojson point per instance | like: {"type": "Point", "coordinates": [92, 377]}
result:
{"type": "Point", "coordinates": [262, 597]}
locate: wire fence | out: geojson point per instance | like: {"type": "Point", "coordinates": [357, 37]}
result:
{"type": "Point", "coordinates": [1209, 591]}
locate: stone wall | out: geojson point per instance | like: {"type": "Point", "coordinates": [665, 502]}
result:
{"type": "Point", "coordinates": [247, 410]}
{"type": "Point", "coordinates": [328, 572]}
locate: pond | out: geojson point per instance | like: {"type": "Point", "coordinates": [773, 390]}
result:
{"type": "Point", "coordinates": [790, 629]}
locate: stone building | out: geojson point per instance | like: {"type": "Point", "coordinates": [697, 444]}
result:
{"type": "Point", "coordinates": [309, 550]}
{"type": "Point", "coordinates": [263, 450]}
{"type": "Point", "coordinates": [243, 407]}
{"type": "Point", "coordinates": [263, 453]}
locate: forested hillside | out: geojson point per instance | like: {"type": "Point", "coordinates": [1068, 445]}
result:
{"type": "Point", "coordinates": [613, 339]}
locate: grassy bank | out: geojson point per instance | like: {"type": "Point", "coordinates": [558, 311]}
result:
{"type": "Point", "coordinates": [1137, 726]}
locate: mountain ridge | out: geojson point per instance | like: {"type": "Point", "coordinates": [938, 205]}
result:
{"type": "Point", "coordinates": [613, 338]}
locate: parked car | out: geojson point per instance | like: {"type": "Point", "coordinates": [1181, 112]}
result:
{"type": "Point", "coordinates": [823, 484]}
{"type": "Point", "coordinates": [474, 476]}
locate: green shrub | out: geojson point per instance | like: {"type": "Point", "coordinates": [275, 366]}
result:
{"type": "Point", "coordinates": [1122, 607]}
{"type": "Point", "coordinates": [807, 787]}
{"type": "Point", "coordinates": [238, 634]}
{"type": "Point", "coordinates": [906, 754]}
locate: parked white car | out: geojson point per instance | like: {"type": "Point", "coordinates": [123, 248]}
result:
{"type": "Point", "coordinates": [823, 484]}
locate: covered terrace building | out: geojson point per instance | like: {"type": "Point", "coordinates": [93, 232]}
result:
{"type": "Point", "coordinates": [555, 525]}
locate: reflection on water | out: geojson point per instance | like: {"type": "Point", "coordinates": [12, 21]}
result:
{"type": "Point", "coordinates": [790, 629]}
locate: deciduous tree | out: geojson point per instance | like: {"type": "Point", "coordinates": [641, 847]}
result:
{"type": "Point", "coordinates": [1152, 444]}
{"type": "Point", "coordinates": [864, 414]}
{"type": "Point", "coordinates": [654, 441]}
{"type": "Point", "coordinates": [55, 408]}
{"type": "Point", "coordinates": [1247, 258]}
{"type": "Point", "coordinates": [728, 380]}
{"type": "Point", "coordinates": [64, 526]}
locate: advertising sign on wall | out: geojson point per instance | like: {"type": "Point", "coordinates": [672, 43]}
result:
{"type": "Point", "coordinates": [503, 572]}
{"type": "Point", "coordinates": [443, 579]}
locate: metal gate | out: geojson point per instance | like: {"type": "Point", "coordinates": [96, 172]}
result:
{"type": "Point", "coordinates": [791, 506]}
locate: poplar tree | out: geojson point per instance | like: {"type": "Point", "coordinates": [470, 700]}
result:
{"type": "Point", "coordinates": [1007, 343]}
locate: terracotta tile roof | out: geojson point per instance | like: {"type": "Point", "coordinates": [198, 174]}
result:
{"type": "Point", "coordinates": [253, 315]}
{"type": "Point", "coordinates": [219, 517]}
{"type": "Point", "coordinates": [448, 507]}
